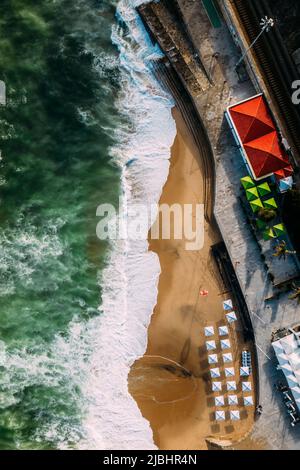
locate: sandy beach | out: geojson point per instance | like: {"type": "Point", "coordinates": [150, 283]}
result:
{"type": "Point", "coordinates": [171, 383]}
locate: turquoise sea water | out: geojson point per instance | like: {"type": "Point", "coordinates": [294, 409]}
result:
{"type": "Point", "coordinates": [59, 66]}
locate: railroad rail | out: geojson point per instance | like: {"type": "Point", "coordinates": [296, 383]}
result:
{"type": "Point", "coordinates": [276, 65]}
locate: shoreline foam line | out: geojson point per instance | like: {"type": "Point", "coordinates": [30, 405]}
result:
{"type": "Point", "coordinates": [119, 336]}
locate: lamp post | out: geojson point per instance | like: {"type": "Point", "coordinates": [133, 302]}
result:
{"type": "Point", "coordinates": [266, 24]}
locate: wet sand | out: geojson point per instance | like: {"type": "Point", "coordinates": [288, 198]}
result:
{"type": "Point", "coordinates": [171, 382]}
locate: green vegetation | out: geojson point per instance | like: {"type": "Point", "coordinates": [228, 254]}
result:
{"type": "Point", "coordinates": [281, 250]}
{"type": "Point", "coordinates": [296, 294]}
{"type": "Point", "coordinates": [266, 214]}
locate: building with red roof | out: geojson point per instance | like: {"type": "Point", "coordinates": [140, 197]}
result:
{"type": "Point", "coordinates": [255, 131]}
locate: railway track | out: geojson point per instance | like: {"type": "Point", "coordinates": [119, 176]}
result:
{"type": "Point", "coordinates": [171, 82]}
{"type": "Point", "coordinates": [275, 63]}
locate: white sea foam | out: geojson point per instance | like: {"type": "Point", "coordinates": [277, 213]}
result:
{"type": "Point", "coordinates": [119, 335]}
{"type": "Point", "coordinates": [91, 363]}
{"type": "Point", "coordinates": [95, 357]}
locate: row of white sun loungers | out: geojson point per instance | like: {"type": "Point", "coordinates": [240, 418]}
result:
{"type": "Point", "coordinates": [229, 372]}
{"type": "Point", "coordinates": [226, 358]}
{"type": "Point", "coordinates": [230, 314]}
{"type": "Point", "coordinates": [210, 331]}
{"type": "Point", "coordinates": [231, 386]}
{"type": "Point", "coordinates": [233, 400]}
{"type": "Point", "coordinates": [234, 415]}
{"type": "Point", "coordinates": [217, 335]}
{"type": "Point", "coordinates": [212, 345]}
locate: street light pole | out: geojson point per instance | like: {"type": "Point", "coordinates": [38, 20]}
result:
{"type": "Point", "coordinates": [266, 24]}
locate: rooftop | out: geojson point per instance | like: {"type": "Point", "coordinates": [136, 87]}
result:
{"type": "Point", "coordinates": [257, 135]}
{"type": "Point", "coordinates": [287, 350]}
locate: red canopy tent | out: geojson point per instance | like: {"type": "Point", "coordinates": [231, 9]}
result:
{"type": "Point", "coordinates": [287, 171]}
{"type": "Point", "coordinates": [256, 132]}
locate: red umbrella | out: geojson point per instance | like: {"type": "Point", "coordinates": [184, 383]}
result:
{"type": "Point", "coordinates": [284, 172]}
{"type": "Point", "coordinates": [252, 119]}
{"type": "Point", "coordinates": [256, 129]}
{"type": "Point", "coordinates": [265, 154]}
{"type": "Point", "coordinates": [204, 293]}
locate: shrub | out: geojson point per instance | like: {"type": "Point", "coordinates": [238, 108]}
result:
{"type": "Point", "coordinates": [266, 214]}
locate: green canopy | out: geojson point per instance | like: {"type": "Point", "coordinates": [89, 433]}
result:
{"type": "Point", "coordinates": [247, 182]}
{"type": "Point", "coordinates": [256, 205]}
{"type": "Point", "coordinates": [261, 224]}
{"type": "Point", "coordinates": [268, 234]}
{"type": "Point", "coordinates": [270, 203]}
{"type": "Point", "coordinates": [252, 193]}
{"type": "Point", "coordinates": [279, 229]}
{"type": "Point", "coordinates": [264, 189]}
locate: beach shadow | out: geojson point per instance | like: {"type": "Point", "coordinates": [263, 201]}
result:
{"type": "Point", "coordinates": [203, 365]}
{"type": "Point", "coordinates": [212, 417]}
{"type": "Point", "coordinates": [185, 351]}
{"type": "Point", "coordinates": [207, 388]}
{"type": "Point", "coordinates": [214, 270]}
{"type": "Point", "coordinates": [215, 428]}
{"type": "Point", "coordinates": [175, 370]}
{"type": "Point", "coordinates": [202, 352]}
{"type": "Point", "coordinates": [206, 378]}
{"type": "Point", "coordinates": [210, 402]}
{"type": "Point", "coordinates": [186, 311]}
{"type": "Point", "coordinates": [229, 429]}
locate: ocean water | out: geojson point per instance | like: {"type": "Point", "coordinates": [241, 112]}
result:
{"type": "Point", "coordinates": [85, 122]}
